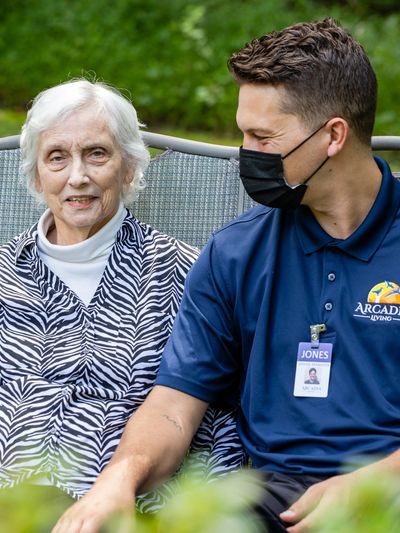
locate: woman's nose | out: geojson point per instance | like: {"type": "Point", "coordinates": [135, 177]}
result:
{"type": "Point", "coordinates": [78, 175]}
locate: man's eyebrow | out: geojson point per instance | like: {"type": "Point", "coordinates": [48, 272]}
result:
{"type": "Point", "coordinates": [259, 131]}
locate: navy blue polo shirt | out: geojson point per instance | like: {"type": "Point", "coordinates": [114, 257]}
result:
{"type": "Point", "coordinates": [250, 299]}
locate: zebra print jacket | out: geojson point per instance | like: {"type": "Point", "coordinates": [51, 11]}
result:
{"type": "Point", "coordinates": [71, 375]}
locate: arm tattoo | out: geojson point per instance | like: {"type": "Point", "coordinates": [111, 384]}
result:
{"type": "Point", "coordinates": [178, 426]}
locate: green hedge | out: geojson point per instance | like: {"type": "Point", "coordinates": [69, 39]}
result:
{"type": "Point", "coordinates": [171, 56]}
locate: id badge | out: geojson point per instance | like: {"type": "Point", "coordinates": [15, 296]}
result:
{"type": "Point", "coordinates": [313, 369]}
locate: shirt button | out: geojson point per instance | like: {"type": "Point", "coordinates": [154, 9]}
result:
{"type": "Point", "coordinates": [331, 276]}
{"type": "Point", "coordinates": [328, 306]}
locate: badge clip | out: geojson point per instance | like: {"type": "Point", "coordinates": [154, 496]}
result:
{"type": "Point", "coordinates": [315, 330]}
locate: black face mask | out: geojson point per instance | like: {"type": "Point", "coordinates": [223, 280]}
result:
{"type": "Point", "coordinates": [263, 179]}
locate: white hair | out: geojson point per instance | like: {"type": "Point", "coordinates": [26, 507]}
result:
{"type": "Point", "coordinates": [59, 102]}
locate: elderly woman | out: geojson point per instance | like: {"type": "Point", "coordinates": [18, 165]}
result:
{"type": "Point", "coordinates": [87, 296]}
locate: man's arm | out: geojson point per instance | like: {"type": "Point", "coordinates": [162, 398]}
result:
{"type": "Point", "coordinates": [152, 447]}
{"type": "Point", "coordinates": [313, 505]}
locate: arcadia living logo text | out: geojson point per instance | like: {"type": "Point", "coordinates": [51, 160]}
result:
{"type": "Point", "coordinates": [383, 303]}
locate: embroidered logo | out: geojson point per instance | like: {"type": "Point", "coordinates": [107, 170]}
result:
{"type": "Point", "coordinates": [385, 292]}
{"type": "Point", "coordinates": [383, 303]}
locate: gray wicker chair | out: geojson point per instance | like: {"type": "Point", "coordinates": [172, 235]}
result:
{"type": "Point", "coordinates": [193, 188]}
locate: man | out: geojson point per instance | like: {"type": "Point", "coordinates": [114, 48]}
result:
{"type": "Point", "coordinates": [281, 287]}
{"type": "Point", "coordinates": [312, 377]}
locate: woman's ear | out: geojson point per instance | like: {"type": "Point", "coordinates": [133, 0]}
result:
{"type": "Point", "coordinates": [129, 174]}
{"type": "Point", "coordinates": [38, 184]}
{"type": "Point", "coordinates": [128, 178]}
{"type": "Point", "coordinates": [339, 131]}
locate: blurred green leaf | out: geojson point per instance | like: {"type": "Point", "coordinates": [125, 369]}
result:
{"type": "Point", "coordinates": [374, 507]}
{"type": "Point", "coordinates": [195, 507]}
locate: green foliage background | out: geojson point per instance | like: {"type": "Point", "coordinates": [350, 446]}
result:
{"type": "Point", "coordinates": [171, 56]}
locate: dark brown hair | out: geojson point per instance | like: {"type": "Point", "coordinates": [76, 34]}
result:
{"type": "Point", "coordinates": [325, 73]}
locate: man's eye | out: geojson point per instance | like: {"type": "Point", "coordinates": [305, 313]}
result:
{"type": "Point", "coordinates": [260, 138]}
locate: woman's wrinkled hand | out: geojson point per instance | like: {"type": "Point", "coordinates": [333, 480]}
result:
{"type": "Point", "coordinates": [90, 513]}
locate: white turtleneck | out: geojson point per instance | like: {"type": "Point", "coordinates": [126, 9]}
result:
{"type": "Point", "coordinates": [80, 266]}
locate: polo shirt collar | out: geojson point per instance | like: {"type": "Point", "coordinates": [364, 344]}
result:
{"type": "Point", "coordinates": [365, 240]}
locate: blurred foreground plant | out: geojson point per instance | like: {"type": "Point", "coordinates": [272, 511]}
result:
{"type": "Point", "coordinates": [31, 508]}
{"type": "Point", "coordinates": [221, 506]}
{"type": "Point", "coordinates": [374, 507]}
{"type": "Point", "coordinates": [196, 507]}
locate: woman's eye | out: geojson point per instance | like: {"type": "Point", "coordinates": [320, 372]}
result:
{"type": "Point", "coordinates": [98, 154]}
{"type": "Point", "coordinates": [56, 158]}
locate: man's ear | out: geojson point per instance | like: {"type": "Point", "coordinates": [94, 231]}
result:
{"type": "Point", "coordinates": [339, 132]}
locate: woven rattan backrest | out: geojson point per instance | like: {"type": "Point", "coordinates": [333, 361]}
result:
{"type": "Point", "coordinates": [192, 188]}
{"type": "Point", "coordinates": [187, 196]}
{"type": "Point", "coordinates": [18, 209]}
